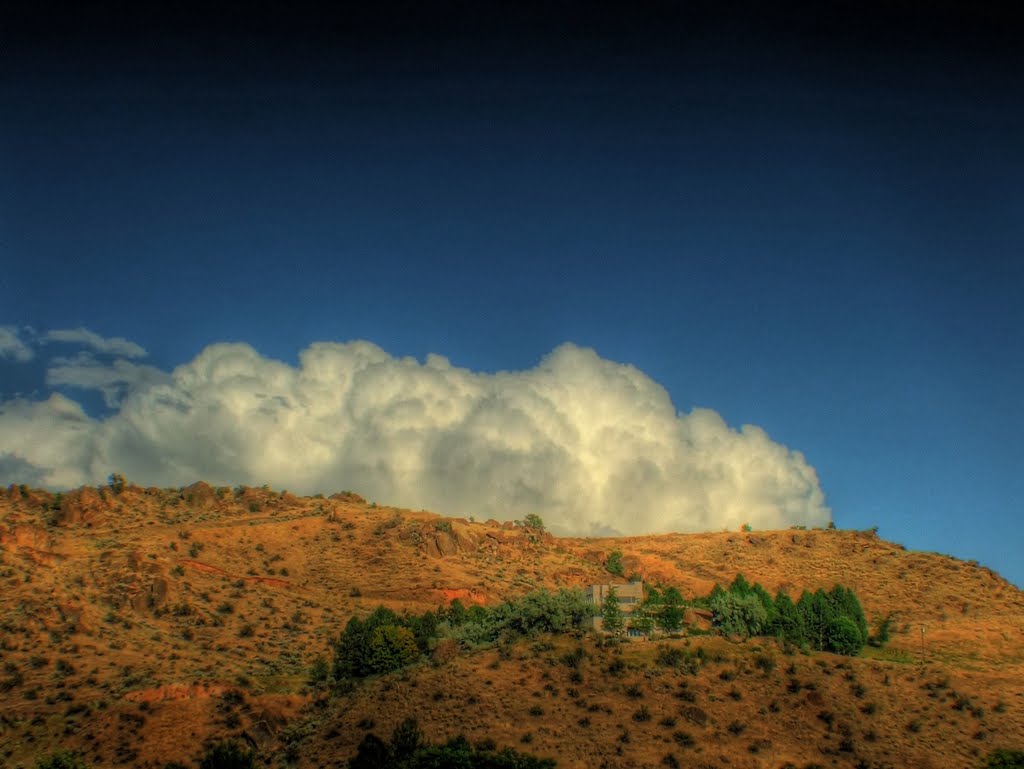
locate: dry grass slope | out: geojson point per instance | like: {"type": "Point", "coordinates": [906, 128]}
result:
{"type": "Point", "coordinates": [136, 625]}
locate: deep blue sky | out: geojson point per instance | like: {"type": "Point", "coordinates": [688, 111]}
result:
{"type": "Point", "coordinates": [813, 227]}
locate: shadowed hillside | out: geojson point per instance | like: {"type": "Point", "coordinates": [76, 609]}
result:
{"type": "Point", "coordinates": [132, 617]}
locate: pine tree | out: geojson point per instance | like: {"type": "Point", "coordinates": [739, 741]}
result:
{"type": "Point", "coordinates": [611, 614]}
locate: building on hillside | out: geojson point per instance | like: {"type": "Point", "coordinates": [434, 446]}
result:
{"type": "Point", "coordinates": [629, 595]}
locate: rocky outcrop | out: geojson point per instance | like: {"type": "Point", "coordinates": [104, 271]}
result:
{"type": "Point", "coordinates": [33, 542]}
{"type": "Point", "coordinates": [348, 496]}
{"type": "Point", "coordinates": [83, 505]}
{"type": "Point", "coordinates": [444, 538]}
{"type": "Point", "coordinates": [199, 496]}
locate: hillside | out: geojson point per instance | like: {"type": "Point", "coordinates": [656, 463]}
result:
{"type": "Point", "coordinates": [137, 623]}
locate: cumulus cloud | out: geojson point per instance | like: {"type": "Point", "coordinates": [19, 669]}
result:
{"type": "Point", "coordinates": [591, 445]}
{"type": "Point", "coordinates": [11, 345]}
{"type": "Point", "coordinates": [115, 345]}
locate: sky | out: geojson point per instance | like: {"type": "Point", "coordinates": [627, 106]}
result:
{"type": "Point", "coordinates": [671, 268]}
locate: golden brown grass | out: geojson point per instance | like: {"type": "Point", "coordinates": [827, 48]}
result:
{"type": "Point", "coordinates": [135, 626]}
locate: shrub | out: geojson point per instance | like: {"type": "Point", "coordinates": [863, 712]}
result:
{"type": "Point", "coordinates": [406, 739]}
{"type": "Point", "coordinates": [1005, 759]}
{"type": "Point", "coordinates": [116, 482]}
{"type": "Point", "coordinates": [319, 671]}
{"type": "Point", "coordinates": [680, 659]}
{"type": "Point", "coordinates": [883, 631]}
{"type": "Point", "coordinates": [228, 754]}
{"type": "Point", "coordinates": [62, 759]}
{"type": "Point", "coordinates": [642, 715]}
{"type": "Point", "coordinates": [684, 739]}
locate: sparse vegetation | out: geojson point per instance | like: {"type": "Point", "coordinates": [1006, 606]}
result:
{"type": "Point", "coordinates": [89, 650]}
{"type": "Point", "coordinates": [1005, 759]}
{"type": "Point", "coordinates": [614, 563]}
{"type": "Point", "coordinates": [62, 759]}
{"type": "Point", "coordinates": [228, 754]}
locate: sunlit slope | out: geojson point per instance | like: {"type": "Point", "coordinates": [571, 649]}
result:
{"type": "Point", "coordinates": [127, 615]}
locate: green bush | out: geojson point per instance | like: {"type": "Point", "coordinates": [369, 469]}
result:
{"type": "Point", "coordinates": [844, 637]}
{"type": "Point", "coordinates": [883, 631]}
{"type": "Point", "coordinates": [62, 759]}
{"type": "Point", "coordinates": [228, 754]}
{"type": "Point", "coordinates": [407, 750]}
{"type": "Point", "coordinates": [1005, 759]}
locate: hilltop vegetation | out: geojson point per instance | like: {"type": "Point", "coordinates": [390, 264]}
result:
{"type": "Point", "coordinates": [301, 626]}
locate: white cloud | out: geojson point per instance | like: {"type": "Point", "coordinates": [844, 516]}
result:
{"type": "Point", "coordinates": [11, 345]}
{"type": "Point", "coordinates": [108, 345]}
{"type": "Point", "coordinates": [591, 445]}
{"type": "Point", "coordinates": [114, 380]}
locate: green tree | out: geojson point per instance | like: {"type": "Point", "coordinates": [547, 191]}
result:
{"type": "Point", "coordinates": [845, 604]}
{"type": "Point", "coordinates": [614, 563]}
{"type": "Point", "coordinates": [539, 612]}
{"type": "Point", "coordinates": [670, 617]}
{"type": "Point", "coordinates": [534, 521]}
{"type": "Point", "coordinates": [641, 623]}
{"type": "Point", "coordinates": [392, 647]}
{"type": "Point", "coordinates": [423, 627]}
{"type": "Point", "coordinates": [768, 603]}
{"type": "Point", "coordinates": [787, 623]}
{"type": "Point", "coordinates": [456, 613]}
{"type": "Point", "coordinates": [741, 615]}
{"type": "Point", "coordinates": [844, 637]}
{"type": "Point", "coordinates": [353, 656]}
{"type": "Point", "coordinates": [816, 613]}
{"type": "Point", "coordinates": [672, 597]}
{"type": "Point", "coordinates": [611, 614]}
{"type": "Point", "coordinates": [740, 586]}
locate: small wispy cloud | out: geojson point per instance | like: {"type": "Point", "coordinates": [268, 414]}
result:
{"type": "Point", "coordinates": [114, 381]}
{"type": "Point", "coordinates": [114, 345]}
{"type": "Point", "coordinates": [12, 346]}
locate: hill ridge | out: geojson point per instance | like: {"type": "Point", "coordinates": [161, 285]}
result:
{"type": "Point", "coordinates": [114, 597]}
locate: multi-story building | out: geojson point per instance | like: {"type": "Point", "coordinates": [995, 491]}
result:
{"type": "Point", "coordinates": [629, 595]}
